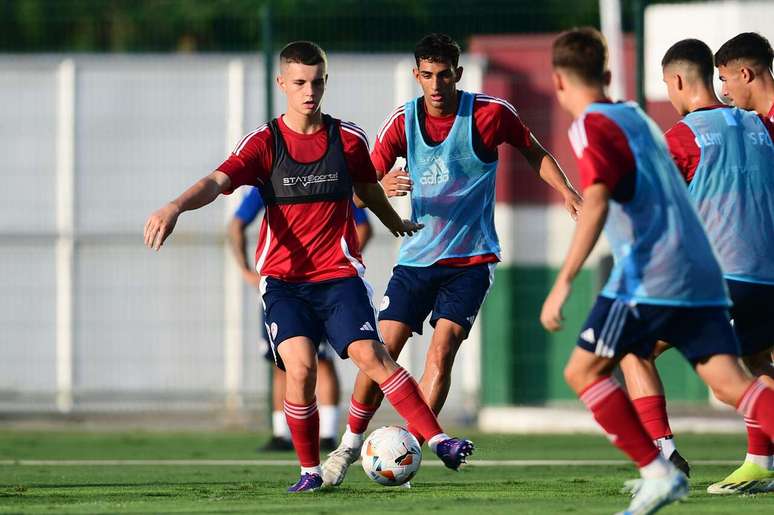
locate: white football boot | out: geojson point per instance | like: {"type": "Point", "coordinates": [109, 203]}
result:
{"type": "Point", "coordinates": [650, 495]}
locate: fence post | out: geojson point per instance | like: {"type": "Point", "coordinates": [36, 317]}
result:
{"type": "Point", "coordinates": [65, 223]}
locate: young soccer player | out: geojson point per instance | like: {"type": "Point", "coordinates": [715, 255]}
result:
{"type": "Point", "coordinates": [745, 66]}
{"type": "Point", "coordinates": [327, 380]}
{"type": "Point", "coordinates": [727, 158]}
{"type": "Point", "coordinates": [307, 165]}
{"type": "Point", "coordinates": [666, 283]}
{"type": "Point", "coordinates": [450, 140]}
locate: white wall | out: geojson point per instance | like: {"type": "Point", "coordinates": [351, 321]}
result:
{"type": "Point", "coordinates": [712, 22]}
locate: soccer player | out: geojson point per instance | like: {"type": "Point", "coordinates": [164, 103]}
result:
{"type": "Point", "coordinates": [666, 283]}
{"type": "Point", "coordinates": [745, 66]}
{"type": "Point", "coordinates": [727, 158]}
{"type": "Point", "coordinates": [449, 138]}
{"type": "Point", "coordinates": [327, 380]}
{"type": "Point", "coordinates": [307, 165]}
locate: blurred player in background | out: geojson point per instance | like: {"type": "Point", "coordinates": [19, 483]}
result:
{"type": "Point", "coordinates": [327, 380]}
{"type": "Point", "coordinates": [308, 165]}
{"type": "Point", "coordinates": [666, 283]}
{"type": "Point", "coordinates": [449, 138]}
{"type": "Point", "coordinates": [745, 66]}
{"type": "Point", "coordinates": [727, 158]}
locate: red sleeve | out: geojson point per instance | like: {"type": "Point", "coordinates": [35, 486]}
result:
{"type": "Point", "coordinates": [769, 123]}
{"type": "Point", "coordinates": [251, 160]}
{"type": "Point", "coordinates": [390, 141]}
{"type": "Point", "coordinates": [498, 122]}
{"type": "Point", "coordinates": [602, 150]}
{"type": "Point", "coordinates": [685, 152]}
{"type": "Point", "coordinates": [356, 153]}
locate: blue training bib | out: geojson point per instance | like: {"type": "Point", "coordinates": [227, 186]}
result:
{"type": "Point", "coordinates": [453, 193]}
{"type": "Point", "coordinates": [733, 188]}
{"type": "Point", "coordinates": [662, 254]}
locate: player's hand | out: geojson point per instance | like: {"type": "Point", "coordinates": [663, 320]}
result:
{"type": "Point", "coordinates": [406, 228]}
{"type": "Point", "coordinates": [573, 204]}
{"type": "Point", "coordinates": [397, 183]}
{"type": "Point", "coordinates": [551, 314]}
{"type": "Point", "coordinates": [251, 278]}
{"type": "Point", "coordinates": [160, 225]}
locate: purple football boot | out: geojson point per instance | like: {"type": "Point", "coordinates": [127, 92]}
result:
{"type": "Point", "coordinates": [307, 483]}
{"type": "Point", "coordinates": [453, 452]}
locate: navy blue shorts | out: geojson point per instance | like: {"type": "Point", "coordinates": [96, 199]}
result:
{"type": "Point", "coordinates": [453, 293]}
{"type": "Point", "coordinates": [323, 349]}
{"type": "Point", "coordinates": [752, 315]}
{"type": "Point", "coordinates": [615, 327]}
{"type": "Point", "coordinates": [339, 308]}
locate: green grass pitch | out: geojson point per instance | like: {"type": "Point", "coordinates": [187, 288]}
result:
{"type": "Point", "coordinates": [250, 488]}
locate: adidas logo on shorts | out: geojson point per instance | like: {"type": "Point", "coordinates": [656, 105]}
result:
{"type": "Point", "coordinates": [367, 327]}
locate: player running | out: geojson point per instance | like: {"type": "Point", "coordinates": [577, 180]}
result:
{"type": "Point", "coordinates": [327, 380]}
{"type": "Point", "coordinates": [745, 66]}
{"type": "Point", "coordinates": [727, 158]}
{"type": "Point", "coordinates": [666, 283]}
{"type": "Point", "coordinates": [450, 140]}
{"type": "Point", "coordinates": [312, 277]}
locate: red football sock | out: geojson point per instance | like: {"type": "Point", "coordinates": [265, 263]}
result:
{"type": "Point", "coordinates": [653, 415]}
{"type": "Point", "coordinates": [360, 415]}
{"type": "Point", "coordinates": [758, 442]}
{"type": "Point", "coordinates": [757, 404]}
{"type": "Point", "coordinates": [304, 424]}
{"type": "Point", "coordinates": [613, 411]}
{"type": "Point", "coordinates": [404, 395]}
{"type": "Point", "coordinates": [411, 429]}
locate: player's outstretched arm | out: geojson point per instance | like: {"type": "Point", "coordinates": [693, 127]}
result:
{"type": "Point", "coordinates": [374, 199]}
{"type": "Point", "coordinates": [161, 223]}
{"type": "Point", "coordinates": [549, 170]}
{"type": "Point", "coordinates": [590, 224]}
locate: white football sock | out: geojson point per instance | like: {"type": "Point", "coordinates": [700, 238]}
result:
{"type": "Point", "coordinates": [352, 440]}
{"type": "Point", "coordinates": [329, 420]}
{"type": "Point", "coordinates": [435, 440]}
{"type": "Point", "coordinates": [762, 461]}
{"type": "Point", "coordinates": [279, 425]}
{"type": "Point", "coordinates": [666, 445]}
{"type": "Point", "coordinates": [312, 470]}
{"type": "Point", "coordinates": [659, 467]}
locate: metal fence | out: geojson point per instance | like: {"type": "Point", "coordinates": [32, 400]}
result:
{"type": "Point", "coordinates": [91, 320]}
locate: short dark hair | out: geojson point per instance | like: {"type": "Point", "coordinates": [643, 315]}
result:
{"type": "Point", "coordinates": [694, 52]}
{"type": "Point", "coordinates": [583, 52]}
{"type": "Point", "coordinates": [747, 45]}
{"type": "Point", "coordinates": [437, 48]}
{"type": "Point", "coordinates": [303, 52]}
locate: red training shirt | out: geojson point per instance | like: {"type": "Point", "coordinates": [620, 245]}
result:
{"type": "Point", "coordinates": [496, 122]}
{"type": "Point", "coordinates": [603, 155]}
{"type": "Point", "coordinates": [306, 242]}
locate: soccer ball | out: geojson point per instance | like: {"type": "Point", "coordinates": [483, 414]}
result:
{"type": "Point", "coordinates": [391, 456]}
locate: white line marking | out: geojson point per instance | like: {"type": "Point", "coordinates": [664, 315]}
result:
{"type": "Point", "coordinates": [285, 463]}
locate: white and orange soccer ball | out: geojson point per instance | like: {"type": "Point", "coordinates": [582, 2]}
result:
{"type": "Point", "coordinates": [391, 456]}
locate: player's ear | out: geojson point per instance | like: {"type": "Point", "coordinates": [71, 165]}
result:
{"type": "Point", "coordinates": [679, 85]}
{"type": "Point", "coordinates": [606, 78]}
{"type": "Point", "coordinates": [281, 82]}
{"type": "Point", "coordinates": [458, 74]}
{"type": "Point", "coordinates": [415, 71]}
{"type": "Point", "coordinates": [556, 78]}
{"type": "Point", "coordinates": [747, 73]}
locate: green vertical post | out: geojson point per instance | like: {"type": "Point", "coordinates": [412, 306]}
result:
{"type": "Point", "coordinates": [639, 35]}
